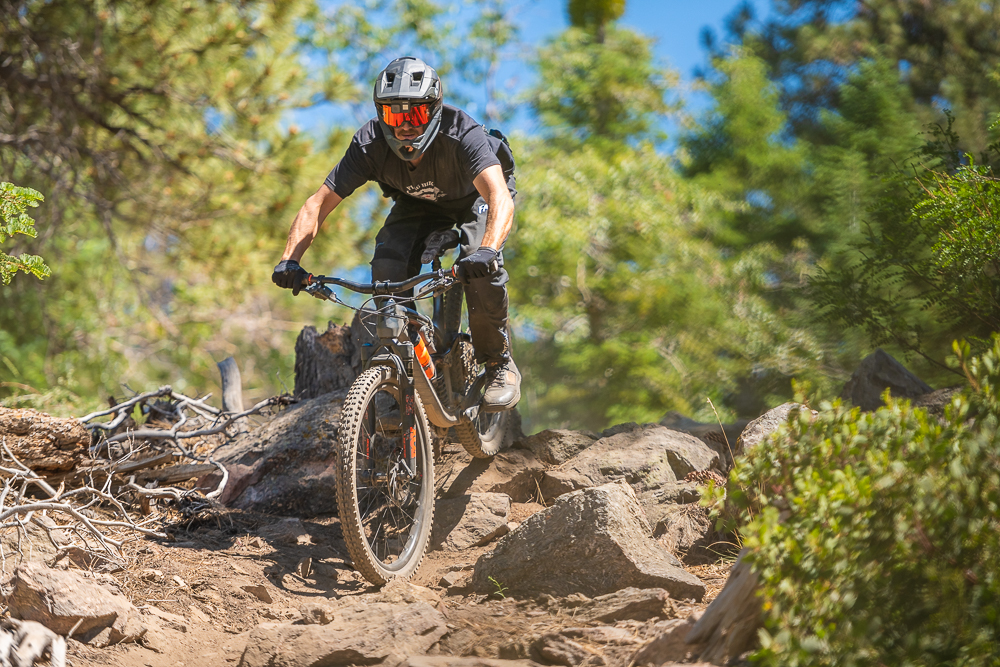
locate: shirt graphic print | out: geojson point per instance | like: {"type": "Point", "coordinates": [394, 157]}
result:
{"type": "Point", "coordinates": [426, 190]}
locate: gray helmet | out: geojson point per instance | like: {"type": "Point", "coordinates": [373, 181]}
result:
{"type": "Point", "coordinates": [408, 89]}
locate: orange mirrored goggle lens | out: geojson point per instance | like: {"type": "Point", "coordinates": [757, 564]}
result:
{"type": "Point", "coordinates": [417, 115]}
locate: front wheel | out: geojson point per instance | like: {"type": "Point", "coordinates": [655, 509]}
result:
{"type": "Point", "coordinates": [385, 510]}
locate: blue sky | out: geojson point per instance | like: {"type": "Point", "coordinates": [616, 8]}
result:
{"type": "Point", "coordinates": [676, 26]}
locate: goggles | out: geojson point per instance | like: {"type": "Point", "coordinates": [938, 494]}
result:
{"type": "Point", "coordinates": [416, 116]}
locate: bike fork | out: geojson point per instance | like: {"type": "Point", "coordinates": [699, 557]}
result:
{"type": "Point", "coordinates": [409, 430]}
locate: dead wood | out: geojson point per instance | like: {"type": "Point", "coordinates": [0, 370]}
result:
{"type": "Point", "coordinates": [729, 625]}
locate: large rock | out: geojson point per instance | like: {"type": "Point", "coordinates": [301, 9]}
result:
{"type": "Point", "coordinates": [689, 533]}
{"type": "Point", "coordinates": [670, 646]}
{"type": "Point", "coordinates": [635, 604]}
{"type": "Point", "coordinates": [364, 633]}
{"type": "Point", "coordinates": [721, 438]}
{"type": "Point", "coordinates": [456, 661]}
{"type": "Point", "coordinates": [64, 600]}
{"type": "Point", "coordinates": [876, 373]}
{"type": "Point", "coordinates": [594, 541]}
{"type": "Point", "coordinates": [759, 429]}
{"type": "Point", "coordinates": [44, 443]}
{"type": "Point", "coordinates": [515, 472]}
{"type": "Point", "coordinates": [469, 521]}
{"type": "Point", "coordinates": [556, 446]}
{"type": "Point", "coordinates": [647, 457]}
{"type": "Point", "coordinates": [288, 465]}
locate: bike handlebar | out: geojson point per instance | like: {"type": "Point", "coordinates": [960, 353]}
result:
{"type": "Point", "coordinates": [384, 287]}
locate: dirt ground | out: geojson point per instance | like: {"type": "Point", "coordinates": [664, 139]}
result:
{"type": "Point", "coordinates": [226, 571]}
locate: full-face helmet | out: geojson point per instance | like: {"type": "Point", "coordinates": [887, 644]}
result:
{"type": "Point", "coordinates": [409, 90]}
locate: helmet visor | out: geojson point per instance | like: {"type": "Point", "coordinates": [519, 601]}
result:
{"type": "Point", "coordinates": [417, 116]}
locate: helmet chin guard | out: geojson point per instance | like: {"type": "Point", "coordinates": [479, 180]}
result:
{"type": "Point", "coordinates": [406, 83]}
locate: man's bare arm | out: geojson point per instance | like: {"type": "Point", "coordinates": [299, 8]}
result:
{"type": "Point", "coordinates": [493, 188]}
{"type": "Point", "coordinates": [307, 222]}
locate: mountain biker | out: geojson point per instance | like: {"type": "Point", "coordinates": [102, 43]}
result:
{"type": "Point", "coordinates": [442, 169]}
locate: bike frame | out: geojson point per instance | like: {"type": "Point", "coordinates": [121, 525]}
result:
{"type": "Point", "coordinates": [395, 351]}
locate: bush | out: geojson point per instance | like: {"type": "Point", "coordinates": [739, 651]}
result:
{"type": "Point", "coordinates": [875, 535]}
{"type": "Point", "coordinates": [14, 203]}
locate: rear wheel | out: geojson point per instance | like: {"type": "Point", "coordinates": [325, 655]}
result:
{"type": "Point", "coordinates": [490, 432]}
{"type": "Point", "coordinates": [385, 512]}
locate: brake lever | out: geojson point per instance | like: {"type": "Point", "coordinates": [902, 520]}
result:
{"type": "Point", "coordinates": [319, 290]}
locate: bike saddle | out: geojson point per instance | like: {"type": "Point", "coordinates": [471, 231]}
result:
{"type": "Point", "coordinates": [438, 243]}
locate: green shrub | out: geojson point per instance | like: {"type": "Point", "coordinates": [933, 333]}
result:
{"type": "Point", "coordinates": [14, 203]}
{"type": "Point", "coordinates": [875, 535]}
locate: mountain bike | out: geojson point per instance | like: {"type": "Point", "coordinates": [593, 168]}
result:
{"type": "Point", "coordinates": [419, 382]}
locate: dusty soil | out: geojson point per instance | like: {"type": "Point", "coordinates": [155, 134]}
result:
{"type": "Point", "coordinates": [226, 571]}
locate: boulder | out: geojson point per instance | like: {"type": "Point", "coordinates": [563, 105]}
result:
{"type": "Point", "coordinates": [672, 493]}
{"type": "Point", "coordinates": [721, 438]}
{"type": "Point", "coordinates": [936, 401]}
{"type": "Point", "coordinates": [647, 457]}
{"type": "Point", "coordinates": [876, 373]}
{"type": "Point", "coordinates": [365, 633]}
{"type": "Point", "coordinates": [557, 446]}
{"type": "Point", "coordinates": [44, 443]}
{"type": "Point", "coordinates": [670, 645]}
{"type": "Point", "coordinates": [469, 521]}
{"type": "Point", "coordinates": [760, 428]}
{"type": "Point", "coordinates": [594, 541]}
{"type": "Point", "coordinates": [515, 472]}
{"type": "Point", "coordinates": [65, 600]}
{"type": "Point", "coordinates": [287, 465]}
{"type": "Point", "coordinates": [688, 532]}
{"type": "Point", "coordinates": [635, 604]}
{"type": "Point", "coordinates": [456, 661]}
{"type": "Point", "coordinates": [289, 531]}
{"type": "Point", "coordinates": [553, 648]}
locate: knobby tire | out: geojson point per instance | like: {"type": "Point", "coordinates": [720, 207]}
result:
{"type": "Point", "coordinates": [358, 489]}
{"type": "Point", "coordinates": [490, 432]}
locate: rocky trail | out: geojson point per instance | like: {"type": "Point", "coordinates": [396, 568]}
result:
{"type": "Point", "coordinates": [571, 548]}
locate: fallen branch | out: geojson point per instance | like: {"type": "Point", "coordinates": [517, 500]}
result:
{"type": "Point", "coordinates": [176, 433]}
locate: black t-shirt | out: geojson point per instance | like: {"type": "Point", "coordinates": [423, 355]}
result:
{"type": "Point", "coordinates": [461, 150]}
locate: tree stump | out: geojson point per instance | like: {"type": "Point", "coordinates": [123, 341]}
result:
{"type": "Point", "coordinates": [328, 361]}
{"type": "Point", "coordinates": [728, 628]}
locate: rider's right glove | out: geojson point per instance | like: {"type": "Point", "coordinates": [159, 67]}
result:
{"type": "Point", "coordinates": [290, 275]}
{"type": "Point", "coordinates": [480, 264]}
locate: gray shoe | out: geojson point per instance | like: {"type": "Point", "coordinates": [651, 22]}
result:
{"type": "Point", "coordinates": [503, 388]}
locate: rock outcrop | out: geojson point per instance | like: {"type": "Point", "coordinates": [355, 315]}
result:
{"type": "Point", "coordinates": [365, 633]}
{"type": "Point", "coordinates": [515, 472]}
{"type": "Point", "coordinates": [876, 373]}
{"type": "Point", "coordinates": [557, 446]}
{"type": "Point", "coordinates": [759, 429]}
{"type": "Point", "coordinates": [647, 457]}
{"type": "Point", "coordinates": [65, 601]}
{"type": "Point", "coordinates": [594, 541]}
{"type": "Point", "coordinates": [469, 521]}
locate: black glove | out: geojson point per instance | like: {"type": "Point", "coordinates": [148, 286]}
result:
{"type": "Point", "coordinates": [480, 264]}
{"type": "Point", "coordinates": [290, 275]}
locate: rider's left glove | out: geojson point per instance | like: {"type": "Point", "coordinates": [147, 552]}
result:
{"type": "Point", "coordinates": [290, 275]}
{"type": "Point", "coordinates": [480, 264]}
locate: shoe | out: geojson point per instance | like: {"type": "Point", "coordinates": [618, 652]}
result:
{"type": "Point", "coordinates": [503, 389]}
